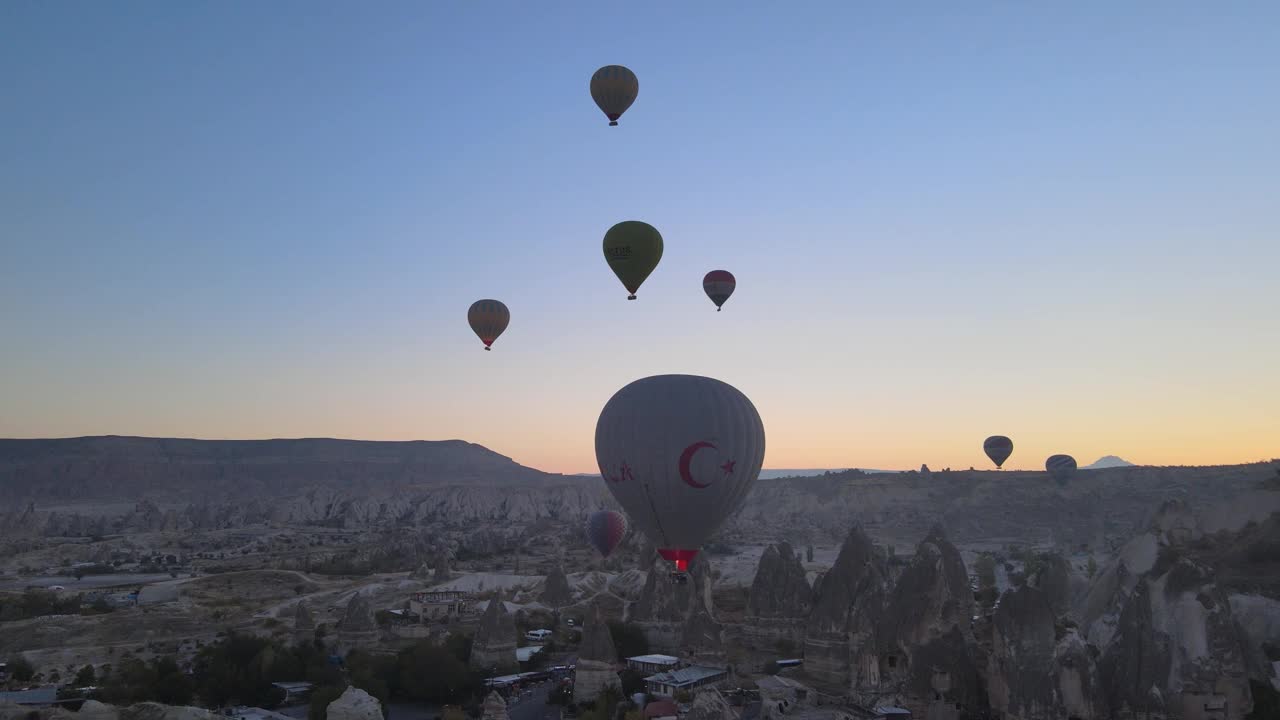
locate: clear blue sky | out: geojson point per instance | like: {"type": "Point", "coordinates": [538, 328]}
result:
{"type": "Point", "coordinates": [267, 219]}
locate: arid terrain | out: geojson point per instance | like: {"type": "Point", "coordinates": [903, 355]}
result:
{"type": "Point", "coordinates": [178, 543]}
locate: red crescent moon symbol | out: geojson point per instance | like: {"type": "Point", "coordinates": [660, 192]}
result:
{"type": "Point", "coordinates": [686, 457]}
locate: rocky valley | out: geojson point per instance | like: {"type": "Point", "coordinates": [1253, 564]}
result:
{"type": "Point", "coordinates": [1133, 591]}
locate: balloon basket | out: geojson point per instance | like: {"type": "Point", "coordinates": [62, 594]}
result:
{"type": "Point", "coordinates": [612, 123]}
{"type": "Point", "coordinates": [487, 348]}
{"type": "Point", "coordinates": [631, 297]}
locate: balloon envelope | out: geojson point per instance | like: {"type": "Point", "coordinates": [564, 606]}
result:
{"type": "Point", "coordinates": [605, 530]}
{"type": "Point", "coordinates": [1060, 467]}
{"type": "Point", "coordinates": [719, 285]}
{"type": "Point", "coordinates": [680, 453]}
{"type": "Point", "coordinates": [998, 448]}
{"type": "Point", "coordinates": [488, 318]}
{"type": "Point", "coordinates": [614, 88]}
{"type": "Point", "coordinates": [632, 248]}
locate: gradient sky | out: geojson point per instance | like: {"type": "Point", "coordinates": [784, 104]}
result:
{"type": "Point", "coordinates": [1056, 221]}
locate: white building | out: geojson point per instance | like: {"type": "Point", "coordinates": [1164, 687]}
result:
{"type": "Point", "coordinates": [653, 663]}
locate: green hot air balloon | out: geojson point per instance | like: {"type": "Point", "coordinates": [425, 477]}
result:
{"type": "Point", "coordinates": [632, 249]}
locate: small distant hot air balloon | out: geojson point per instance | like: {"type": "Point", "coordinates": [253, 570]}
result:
{"type": "Point", "coordinates": [614, 88]}
{"type": "Point", "coordinates": [605, 530]}
{"type": "Point", "coordinates": [632, 248]}
{"type": "Point", "coordinates": [680, 453]}
{"type": "Point", "coordinates": [719, 285]}
{"type": "Point", "coordinates": [998, 448]}
{"type": "Point", "coordinates": [488, 318]}
{"type": "Point", "coordinates": [1060, 467]}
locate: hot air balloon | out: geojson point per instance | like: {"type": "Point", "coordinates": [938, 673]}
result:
{"type": "Point", "coordinates": [719, 285]}
{"type": "Point", "coordinates": [1060, 467]}
{"type": "Point", "coordinates": [605, 530]}
{"type": "Point", "coordinates": [488, 318]}
{"type": "Point", "coordinates": [680, 453]}
{"type": "Point", "coordinates": [998, 448]}
{"type": "Point", "coordinates": [614, 88]}
{"type": "Point", "coordinates": [632, 249]}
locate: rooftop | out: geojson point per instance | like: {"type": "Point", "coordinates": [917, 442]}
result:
{"type": "Point", "coordinates": [654, 659]}
{"type": "Point", "coordinates": [37, 696]}
{"type": "Point", "coordinates": [685, 675]}
{"type": "Point", "coordinates": [524, 653]}
{"type": "Point", "coordinates": [293, 686]}
{"type": "Point", "coordinates": [255, 713]}
{"type": "Point", "coordinates": [892, 711]}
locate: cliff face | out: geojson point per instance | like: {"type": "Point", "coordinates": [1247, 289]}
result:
{"type": "Point", "coordinates": [1032, 673]}
{"type": "Point", "coordinates": [1164, 615]}
{"type": "Point", "coordinates": [841, 638]}
{"type": "Point", "coordinates": [778, 605]}
{"type": "Point", "coordinates": [927, 651]}
{"type": "Point", "coordinates": [495, 642]}
{"type": "Point", "coordinates": [113, 467]}
{"type": "Point", "coordinates": [357, 629]}
{"type": "Point", "coordinates": [780, 588]}
{"type": "Point", "coordinates": [666, 607]}
{"type": "Point", "coordinates": [1176, 634]}
{"type": "Point", "coordinates": [977, 505]}
{"type": "Point", "coordinates": [597, 658]}
{"type": "Point", "coordinates": [304, 625]}
{"type": "Point", "coordinates": [220, 484]}
{"type": "Point", "coordinates": [556, 592]}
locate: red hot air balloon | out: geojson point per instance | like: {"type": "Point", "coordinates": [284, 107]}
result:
{"type": "Point", "coordinates": [488, 318]}
{"type": "Point", "coordinates": [605, 529]}
{"type": "Point", "coordinates": [679, 453]}
{"type": "Point", "coordinates": [719, 285]}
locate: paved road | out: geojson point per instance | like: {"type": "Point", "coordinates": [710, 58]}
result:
{"type": "Point", "coordinates": [534, 705]}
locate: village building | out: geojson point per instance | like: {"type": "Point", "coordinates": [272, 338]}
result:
{"type": "Point", "coordinates": [686, 679]}
{"type": "Point", "coordinates": [653, 663]}
{"type": "Point", "coordinates": [438, 605]}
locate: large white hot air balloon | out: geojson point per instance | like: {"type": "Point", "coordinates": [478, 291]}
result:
{"type": "Point", "coordinates": [680, 453]}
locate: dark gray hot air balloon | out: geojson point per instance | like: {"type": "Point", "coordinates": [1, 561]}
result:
{"type": "Point", "coordinates": [998, 448]}
{"type": "Point", "coordinates": [679, 453]}
{"type": "Point", "coordinates": [1061, 468]}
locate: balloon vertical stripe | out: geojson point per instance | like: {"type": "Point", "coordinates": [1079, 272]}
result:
{"type": "Point", "coordinates": [488, 319]}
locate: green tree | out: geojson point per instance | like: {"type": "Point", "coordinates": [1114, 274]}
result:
{"type": "Point", "coordinates": [460, 645]}
{"type": "Point", "coordinates": [632, 681]}
{"type": "Point", "coordinates": [320, 699]}
{"type": "Point", "coordinates": [172, 686]}
{"type": "Point", "coordinates": [130, 681]}
{"type": "Point", "coordinates": [629, 639]}
{"type": "Point", "coordinates": [1266, 701]}
{"type": "Point", "coordinates": [20, 669]}
{"type": "Point", "coordinates": [377, 675]}
{"type": "Point", "coordinates": [985, 568]}
{"type": "Point", "coordinates": [239, 669]}
{"type": "Point", "coordinates": [434, 674]}
{"type": "Point", "coordinates": [86, 677]}
{"type": "Point", "coordinates": [1092, 567]}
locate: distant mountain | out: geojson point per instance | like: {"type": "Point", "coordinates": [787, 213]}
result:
{"type": "Point", "coordinates": [1108, 461]}
{"type": "Point", "coordinates": [124, 468]}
